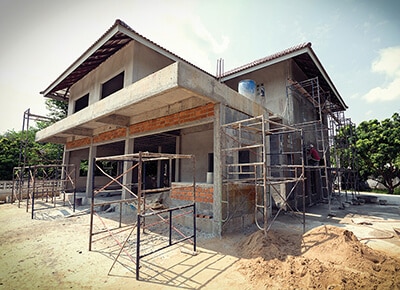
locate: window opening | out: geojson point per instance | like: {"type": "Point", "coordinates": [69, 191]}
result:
{"type": "Point", "coordinates": [81, 103]}
{"type": "Point", "coordinates": [112, 85]}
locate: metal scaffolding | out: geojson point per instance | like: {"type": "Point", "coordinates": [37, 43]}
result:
{"type": "Point", "coordinates": [134, 200]}
{"type": "Point", "coordinates": [41, 182]}
{"type": "Point", "coordinates": [344, 156]}
{"type": "Point", "coordinates": [44, 184]}
{"type": "Point", "coordinates": [323, 130]}
{"type": "Point", "coordinates": [267, 157]}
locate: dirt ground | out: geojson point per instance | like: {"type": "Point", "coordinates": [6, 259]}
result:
{"type": "Point", "coordinates": [355, 248]}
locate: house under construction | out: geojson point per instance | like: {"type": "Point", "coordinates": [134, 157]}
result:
{"type": "Point", "coordinates": [249, 130]}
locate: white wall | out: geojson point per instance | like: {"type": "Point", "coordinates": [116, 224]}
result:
{"type": "Point", "coordinates": [274, 79]}
{"type": "Point", "coordinates": [136, 60]}
{"type": "Point", "coordinates": [199, 143]}
{"type": "Point", "coordinates": [91, 83]}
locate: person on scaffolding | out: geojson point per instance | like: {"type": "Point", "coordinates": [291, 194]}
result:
{"type": "Point", "coordinates": [314, 158]}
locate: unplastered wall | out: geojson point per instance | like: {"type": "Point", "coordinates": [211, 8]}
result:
{"type": "Point", "coordinates": [303, 110]}
{"type": "Point", "coordinates": [274, 78]}
{"type": "Point", "coordinates": [199, 143]}
{"type": "Point", "coordinates": [91, 83]}
{"type": "Point", "coordinates": [75, 158]}
{"type": "Point", "coordinates": [147, 61]}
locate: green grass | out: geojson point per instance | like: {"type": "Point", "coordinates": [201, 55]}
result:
{"type": "Point", "coordinates": [384, 191]}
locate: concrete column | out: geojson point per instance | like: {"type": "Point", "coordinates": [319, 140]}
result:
{"type": "Point", "coordinates": [65, 156]}
{"type": "Point", "coordinates": [65, 161]}
{"type": "Point", "coordinates": [177, 161]}
{"type": "Point", "coordinates": [219, 111]}
{"type": "Point", "coordinates": [267, 164]}
{"type": "Point", "coordinates": [89, 186]}
{"type": "Point", "coordinates": [159, 169]}
{"type": "Point", "coordinates": [127, 178]}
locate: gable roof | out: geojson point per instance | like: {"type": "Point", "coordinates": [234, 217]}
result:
{"type": "Point", "coordinates": [305, 58]}
{"type": "Point", "coordinates": [116, 37]}
{"type": "Point", "coordinates": [120, 34]}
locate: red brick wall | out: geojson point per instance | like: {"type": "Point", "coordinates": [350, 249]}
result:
{"type": "Point", "coordinates": [174, 119]}
{"type": "Point", "coordinates": [204, 193]}
{"type": "Point", "coordinates": [186, 116]}
{"type": "Point", "coordinates": [110, 135]}
{"type": "Point", "coordinates": [78, 143]}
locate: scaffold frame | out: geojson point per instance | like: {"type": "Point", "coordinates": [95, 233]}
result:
{"type": "Point", "coordinates": [39, 183]}
{"type": "Point", "coordinates": [329, 122]}
{"type": "Point", "coordinates": [275, 162]}
{"type": "Point", "coordinates": [138, 201]}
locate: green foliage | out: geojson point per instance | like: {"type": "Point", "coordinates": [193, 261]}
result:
{"type": "Point", "coordinates": [57, 110]}
{"type": "Point", "coordinates": [14, 144]}
{"type": "Point", "coordinates": [9, 153]}
{"type": "Point", "coordinates": [344, 148]}
{"type": "Point", "coordinates": [17, 146]}
{"type": "Point", "coordinates": [378, 147]}
{"type": "Point", "coordinates": [383, 191]}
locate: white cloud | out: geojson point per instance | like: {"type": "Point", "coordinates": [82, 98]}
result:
{"type": "Point", "coordinates": [368, 113]}
{"type": "Point", "coordinates": [202, 32]}
{"type": "Point", "coordinates": [355, 96]}
{"type": "Point", "coordinates": [388, 63]}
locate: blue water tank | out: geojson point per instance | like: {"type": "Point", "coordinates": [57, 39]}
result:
{"type": "Point", "coordinates": [247, 88]}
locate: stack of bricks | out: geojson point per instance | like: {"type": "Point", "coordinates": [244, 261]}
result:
{"type": "Point", "coordinates": [204, 193]}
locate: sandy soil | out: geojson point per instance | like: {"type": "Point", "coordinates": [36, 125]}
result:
{"type": "Point", "coordinates": [51, 252]}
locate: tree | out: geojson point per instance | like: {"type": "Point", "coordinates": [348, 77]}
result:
{"type": "Point", "coordinates": [344, 156]}
{"type": "Point", "coordinates": [16, 146]}
{"type": "Point", "coordinates": [378, 148]}
{"type": "Point", "coordinates": [57, 110]}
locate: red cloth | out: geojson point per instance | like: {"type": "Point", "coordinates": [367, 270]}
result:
{"type": "Point", "coordinates": [314, 154]}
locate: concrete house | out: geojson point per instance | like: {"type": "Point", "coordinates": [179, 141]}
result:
{"type": "Point", "coordinates": [127, 94]}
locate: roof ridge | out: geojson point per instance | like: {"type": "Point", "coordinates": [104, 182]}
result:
{"type": "Point", "coordinates": [268, 58]}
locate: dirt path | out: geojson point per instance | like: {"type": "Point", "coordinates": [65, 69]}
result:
{"type": "Point", "coordinates": [51, 252]}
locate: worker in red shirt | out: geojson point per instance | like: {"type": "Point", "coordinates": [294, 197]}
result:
{"type": "Point", "coordinates": [314, 156]}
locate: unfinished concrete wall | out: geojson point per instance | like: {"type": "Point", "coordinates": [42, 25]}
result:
{"type": "Point", "coordinates": [239, 212]}
{"type": "Point", "coordinates": [135, 60]}
{"type": "Point", "coordinates": [146, 61]}
{"type": "Point", "coordinates": [303, 110]}
{"type": "Point", "coordinates": [274, 79]}
{"type": "Point", "coordinates": [121, 61]}
{"type": "Point", "coordinates": [198, 141]}
{"type": "Point", "coordinates": [75, 158]}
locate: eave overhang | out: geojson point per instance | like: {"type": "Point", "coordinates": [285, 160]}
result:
{"type": "Point", "coordinates": [177, 87]}
{"type": "Point", "coordinates": [305, 58]}
{"type": "Point", "coordinates": [119, 35]}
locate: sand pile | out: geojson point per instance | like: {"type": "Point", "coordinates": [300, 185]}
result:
{"type": "Point", "coordinates": [326, 257]}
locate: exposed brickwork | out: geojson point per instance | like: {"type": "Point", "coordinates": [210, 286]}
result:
{"type": "Point", "coordinates": [110, 135]}
{"type": "Point", "coordinates": [174, 119]}
{"type": "Point", "coordinates": [186, 116]}
{"type": "Point", "coordinates": [203, 193]}
{"type": "Point", "coordinates": [78, 143]}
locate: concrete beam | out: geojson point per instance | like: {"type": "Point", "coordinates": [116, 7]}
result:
{"type": "Point", "coordinates": [115, 119]}
{"type": "Point", "coordinates": [155, 84]}
{"type": "Point", "coordinates": [209, 87]}
{"type": "Point", "coordinates": [80, 132]}
{"type": "Point", "coordinates": [56, 140]}
{"type": "Point", "coordinates": [166, 88]}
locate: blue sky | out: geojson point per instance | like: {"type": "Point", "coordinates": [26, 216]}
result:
{"type": "Point", "coordinates": [358, 42]}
